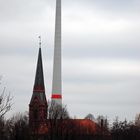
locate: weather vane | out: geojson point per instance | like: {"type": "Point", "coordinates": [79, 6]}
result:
{"type": "Point", "coordinates": [39, 41]}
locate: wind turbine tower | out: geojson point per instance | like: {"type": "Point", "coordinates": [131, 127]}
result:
{"type": "Point", "coordinates": [57, 83]}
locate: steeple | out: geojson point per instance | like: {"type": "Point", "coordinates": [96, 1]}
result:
{"type": "Point", "coordinates": [39, 78]}
{"type": "Point", "coordinates": [56, 85]}
{"type": "Point", "coordinates": [38, 104]}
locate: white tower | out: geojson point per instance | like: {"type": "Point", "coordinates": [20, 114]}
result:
{"type": "Point", "coordinates": [56, 84]}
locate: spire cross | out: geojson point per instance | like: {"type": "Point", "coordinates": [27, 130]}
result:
{"type": "Point", "coordinates": [39, 41]}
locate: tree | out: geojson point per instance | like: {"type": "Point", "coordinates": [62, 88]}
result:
{"type": "Point", "coordinates": [5, 106]}
{"type": "Point", "coordinates": [5, 101]}
{"type": "Point", "coordinates": [56, 111]}
{"type": "Point", "coordinates": [19, 127]}
{"type": "Point", "coordinates": [124, 130]}
{"type": "Point", "coordinates": [102, 122]}
{"type": "Point", "coordinates": [57, 116]}
{"type": "Point", "coordinates": [137, 120]}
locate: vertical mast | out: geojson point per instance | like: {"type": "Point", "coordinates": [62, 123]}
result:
{"type": "Point", "coordinates": [56, 85]}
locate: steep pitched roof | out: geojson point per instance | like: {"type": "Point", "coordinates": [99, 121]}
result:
{"type": "Point", "coordinates": [39, 79]}
{"type": "Point", "coordinates": [39, 88]}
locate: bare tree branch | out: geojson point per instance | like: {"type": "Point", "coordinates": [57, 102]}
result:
{"type": "Point", "coordinates": [5, 103]}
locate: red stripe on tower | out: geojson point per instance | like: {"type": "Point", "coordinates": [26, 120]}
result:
{"type": "Point", "coordinates": [56, 96]}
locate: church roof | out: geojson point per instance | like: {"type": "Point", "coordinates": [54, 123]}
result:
{"type": "Point", "coordinates": [87, 126]}
{"type": "Point", "coordinates": [75, 126]}
{"type": "Point", "coordinates": [39, 79]}
{"type": "Point", "coordinates": [39, 88]}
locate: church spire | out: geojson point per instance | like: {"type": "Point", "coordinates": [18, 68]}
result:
{"type": "Point", "coordinates": [39, 78]}
{"type": "Point", "coordinates": [38, 104]}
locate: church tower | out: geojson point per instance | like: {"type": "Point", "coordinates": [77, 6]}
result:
{"type": "Point", "coordinates": [38, 104]}
{"type": "Point", "coordinates": [56, 84]}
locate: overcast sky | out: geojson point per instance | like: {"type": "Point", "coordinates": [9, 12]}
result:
{"type": "Point", "coordinates": [101, 54]}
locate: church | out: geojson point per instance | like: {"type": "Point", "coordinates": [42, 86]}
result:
{"type": "Point", "coordinates": [39, 122]}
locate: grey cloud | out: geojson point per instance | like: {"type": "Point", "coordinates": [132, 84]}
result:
{"type": "Point", "coordinates": [108, 5]}
{"type": "Point", "coordinates": [17, 10]}
{"type": "Point", "coordinates": [94, 51]}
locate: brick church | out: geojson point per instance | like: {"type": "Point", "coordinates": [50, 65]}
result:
{"type": "Point", "coordinates": [39, 122]}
